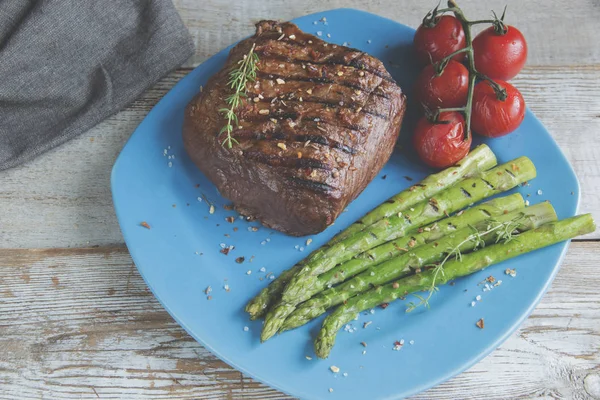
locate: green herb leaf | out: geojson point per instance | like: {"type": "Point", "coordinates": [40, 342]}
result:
{"type": "Point", "coordinates": [238, 78]}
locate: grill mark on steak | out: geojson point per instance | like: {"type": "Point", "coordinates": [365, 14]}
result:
{"type": "Point", "coordinates": [322, 140]}
{"type": "Point", "coordinates": [328, 103]}
{"type": "Point", "coordinates": [354, 63]}
{"type": "Point", "coordinates": [320, 80]}
{"type": "Point", "coordinates": [276, 160]}
{"type": "Point", "coordinates": [312, 185]}
{"type": "Point", "coordinates": [295, 116]}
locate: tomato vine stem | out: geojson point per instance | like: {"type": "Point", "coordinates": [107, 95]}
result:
{"type": "Point", "coordinates": [473, 73]}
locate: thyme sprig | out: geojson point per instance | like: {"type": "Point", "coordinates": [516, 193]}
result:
{"type": "Point", "coordinates": [238, 78]}
{"type": "Point", "coordinates": [505, 232]}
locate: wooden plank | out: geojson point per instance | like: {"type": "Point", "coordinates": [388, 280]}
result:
{"type": "Point", "coordinates": [217, 23]}
{"type": "Point", "coordinates": [68, 189]}
{"type": "Point", "coordinates": [81, 323]}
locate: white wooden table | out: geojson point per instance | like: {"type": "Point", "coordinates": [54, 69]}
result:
{"type": "Point", "coordinates": [77, 321]}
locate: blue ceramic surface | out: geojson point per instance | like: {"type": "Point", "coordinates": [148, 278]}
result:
{"type": "Point", "coordinates": [179, 256]}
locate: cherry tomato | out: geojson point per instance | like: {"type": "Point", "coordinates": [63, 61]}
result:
{"type": "Point", "coordinates": [449, 89]}
{"type": "Point", "coordinates": [500, 56]}
{"type": "Point", "coordinates": [493, 117]}
{"type": "Point", "coordinates": [440, 40]}
{"type": "Point", "coordinates": [441, 145]}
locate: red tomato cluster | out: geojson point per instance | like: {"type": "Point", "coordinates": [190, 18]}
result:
{"type": "Point", "coordinates": [499, 54]}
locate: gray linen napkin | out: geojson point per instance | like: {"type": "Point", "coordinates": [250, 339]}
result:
{"type": "Point", "coordinates": [65, 65]}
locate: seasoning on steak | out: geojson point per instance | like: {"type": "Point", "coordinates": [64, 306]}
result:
{"type": "Point", "coordinates": [318, 124]}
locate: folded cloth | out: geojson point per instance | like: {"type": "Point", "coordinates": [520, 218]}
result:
{"type": "Point", "coordinates": [65, 65]}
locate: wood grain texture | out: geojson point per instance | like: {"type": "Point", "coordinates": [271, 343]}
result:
{"type": "Point", "coordinates": [82, 323]}
{"type": "Point", "coordinates": [545, 24]}
{"type": "Point", "coordinates": [68, 189]}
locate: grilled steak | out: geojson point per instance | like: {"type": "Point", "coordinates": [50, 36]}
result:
{"type": "Point", "coordinates": [319, 123]}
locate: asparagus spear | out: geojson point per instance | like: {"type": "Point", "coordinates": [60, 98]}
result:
{"type": "Point", "coordinates": [463, 240]}
{"type": "Point", "coordinates": [259, 305]}
{"type": "Point", "coordinates": [477, 161]}
{"type": "Point", "coordinates": [423, 235]}
{"type": "Point", "coordinates": [528, 241]}
{"type": "Point", "coordinates": [468, 191]}
{"type": "Point", "coordinates": [389, 250]}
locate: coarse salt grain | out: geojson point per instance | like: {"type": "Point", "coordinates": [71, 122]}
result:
{"type": "Point", "coordinates": [268, 239]}
{"type": "Point", "coordinates": [345, 374]}
{"type": "Point", "coordinates": [263, 242]}
{"type": "Point", "coordinates": [329, 35]}
{"type": "Point", "coordinates": [292, 37]}
{"type": "Point", "coordinates": [249, 272]}
{"type": "Point", "coordinates": [279, 81]}
{"type": "Point", "coordinates": [539, 192]}
{"type": "Point", "coordinates": [334, 369]}
{"type": "Point", "coordinates": [223, 245]}
{"type": "Point", "coordinates": [272, 277]}
{"type": "Point", "coordinates": [527, 202]}
{"type": "Point", "coordinates": [319, 33]}
{"type": "Point", "coordinates": [308, 358]}
{"type": "Point", "coordinates": [478, 298]}
{"type": "Point", "coordinates": [330, 390]}
{"type": "Point", "coordinates": [170, 164]}
{"type": "Point", "coordinates": [308, 242]}
{"type": "Point", "coordinates": [369, 41]}
{"type": "Point", "coordinates": [473, 304]}
{"type": "Point", "coordinates": [412, 342]}
{"type": "Point", "coordinates": [246, 329]}
{"type": "Point", "coordinates": [263, 269]}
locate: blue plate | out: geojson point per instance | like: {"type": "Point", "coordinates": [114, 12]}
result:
{"type": "Point", "coordinates": [179, 257]}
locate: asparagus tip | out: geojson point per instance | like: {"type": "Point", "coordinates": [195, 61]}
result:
{"type": "Point", "coordinates": [323, 345]}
